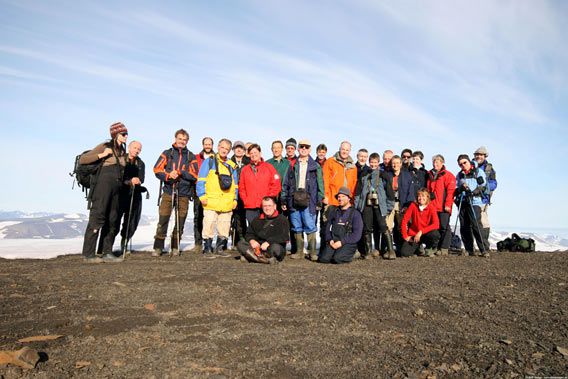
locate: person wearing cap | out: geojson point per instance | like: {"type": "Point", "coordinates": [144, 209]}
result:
{"type": "Point", "coordinates": [257, 180]}
{"type": "Point", "coordinates": [206, 152]}
{"type": "Point", "coordinates": [291, 151]}
{"type": "Point", "coordinates": [238, 220]}
{"type": "Point", "coordinates": [343, 230]}
{"type": "Point", "coordinates": [105, 194]}
{"type": "Point", "coordinates": [266, 237]}
{"type": "Point", "coordinates": [480, 157]}
{"type": "Point", "coordinates": [471, 188]}
{"type": "Point", "coordinates": [176, 168]}
{"type": "Point", "coordinates": [290, 148]}
{"type": "Point", "coordinates": [302, 194]}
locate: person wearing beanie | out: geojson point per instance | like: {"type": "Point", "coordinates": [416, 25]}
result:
{"type": "Point", "coordinates": [342, 231]}
{"type": "Point", "coordinates": [104, 194]}
{"type": "Point", "coordinates": [480, 156]}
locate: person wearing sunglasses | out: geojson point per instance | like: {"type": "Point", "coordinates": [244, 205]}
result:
{"type": "Point", "coordinates": [471, 187]}
{"type": "Point", "coordinates": [406, 156]}
{"type": "Point", "coordinates": [480, 157]}
{"type": "Point", "coordinates": [104, 194]}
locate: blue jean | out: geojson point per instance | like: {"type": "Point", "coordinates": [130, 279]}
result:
{"type": "Point", "coordinates": [303, 221]}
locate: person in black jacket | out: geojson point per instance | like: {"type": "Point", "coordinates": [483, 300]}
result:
{"type": "Point", "coordinates": [177, 169]}
{"type": "Point", "coordinates": [418, 172]}
{"type": "Point", "coordinates": [266, 237]}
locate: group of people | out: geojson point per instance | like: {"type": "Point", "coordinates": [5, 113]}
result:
{"type": "Point", "coordinates": [364, 207]}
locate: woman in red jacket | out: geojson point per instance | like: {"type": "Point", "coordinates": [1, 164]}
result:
{"type": "Point", "coordinates": [420, 225]}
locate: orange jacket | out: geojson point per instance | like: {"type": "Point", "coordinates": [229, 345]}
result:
{"type": "Point", "coordinates": [337, 174]}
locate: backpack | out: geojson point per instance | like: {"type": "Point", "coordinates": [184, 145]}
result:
{"type": "Point", "coordinates": [85, 175]}
{"type": "Point", "coordinates": [517, 243]}
{"type": "Point", "coordinates": [456, 243]}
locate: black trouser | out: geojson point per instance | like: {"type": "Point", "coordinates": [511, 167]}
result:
{"type": "Point", "coordinates": [293, 244]}
{"type": "Point", "coordinates": [238, 223]}
{"type": "Point", "coordinates": [104, 210]}
{"type": "Point", "coordinates": [165, 212]}
{"type": "Point", "coordinates": [275, 250]}
{"type": "Point", "coordinates": [197, 221]}
{"type": "Point", "coordinates": [470, 224]}
{"type": "Point", "coordinates": [429, 239]}
{"type": "Point", "coordinates": [251, 214]}
{"type": "Point", "coordinates": [445, 231]}
{"type": "Point", "coordinates": [342, 255]}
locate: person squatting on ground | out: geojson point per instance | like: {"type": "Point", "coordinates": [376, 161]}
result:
{"type": "Point", "coordinates": [372, 201]}
{"type": "Point", "coordinates": [401, 184]}
{"type": "Point", "coordinates": [420, 225]}
{"type": "Point", "coordinates": [176, 168]}
{"type": "Point", "coordinates": [206, 152]}
{"type": "Point", "coordinates": [238, 219]}
{"type": "Point", "coordinates": [266, 237]}
{"type": "Point", "coordinates": [302, 195]}
{"type": "Point", "coordinates": [442, 185]}
{"type": "Point", "coordinates": [130, 197]}
{"type": "Point", "coordinates": [480, 157]}
{"type": "Point", "coordinates": [471, 187]}
{"type": "Point", "coordinates": [257, 180]}
{"type": "Point", "coordinates": [218, 191]}
{"type": "Point", "coordinates": [105, 195]}
{"type": "Point", "coordinates": [343, 230]}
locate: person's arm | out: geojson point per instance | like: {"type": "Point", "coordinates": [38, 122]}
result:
{"type": "Point", "coordinates": [432, 220]}
{"type": "Point", "coordinates": [275, 184]}
{"type": "Point", "coordinates": [201, 179]}
{"type": "Point", "coordinates": [100, 151]}
{"type": "Point", "coordinates": [356, 228]}
{"type": "Point", "coordinates": [404, 225]}
{"type": "Point", "coordinates": [160, 167]}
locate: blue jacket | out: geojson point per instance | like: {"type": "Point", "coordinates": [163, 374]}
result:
{"type": "Point", "coordinates": [341, 217]}
{"type": "Point", "coordinates": [314, 185]}
{"type": "Point", "coordinates": [491, 175]}
{"type": "Point", "coordinates": [371, 181]}
{"type": "Point", "coordinates": [478, 187]}
{"type": "Point", "coordinates": [406, 194]}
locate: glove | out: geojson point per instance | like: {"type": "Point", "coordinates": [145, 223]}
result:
{"type": "Point", "coordinates": [478, 191]}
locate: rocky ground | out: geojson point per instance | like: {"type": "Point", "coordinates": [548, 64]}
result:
{"type": "Point", "coordinates": [505, 316]}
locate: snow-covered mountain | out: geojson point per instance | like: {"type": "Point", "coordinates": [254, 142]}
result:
{"type": "Point", "coordinates": [47, 235]}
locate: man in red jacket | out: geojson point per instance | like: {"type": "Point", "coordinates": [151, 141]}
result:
{"type": "Point", "coordinates": [258, 179]}
{"type": "Point", "coordinates": [420, 225]}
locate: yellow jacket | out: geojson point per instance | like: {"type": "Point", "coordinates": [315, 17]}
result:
{"type": "Point", "coordinates": [208, 187]}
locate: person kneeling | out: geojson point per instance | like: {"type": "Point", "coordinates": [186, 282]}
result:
{"type": "Point", "coordinates": [420, 224]}
{"type": "Point", "coordinates": [266, 237]}
{"type": "Point", "coordinates": [343, 230]}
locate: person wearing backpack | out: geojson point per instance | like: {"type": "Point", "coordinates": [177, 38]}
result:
{"type": "Point", "coordinates": [176, 168]}
{"type": "Point", "coordinates": [480, 156]}
{"type": "Point", "coordinates": [342, 231]}
{"type": "Point", "coordinates": [302, 195]}
{"type": "Point", "coordinates": [105, 193]}
{"type": "Point", "coordinates": [471, 187]}
{"type": "Point", "coordinates": [217, 189]}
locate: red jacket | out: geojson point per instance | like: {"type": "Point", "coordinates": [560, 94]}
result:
{"type": "Point", "coordinates": [415, 220]}
{"type": "Point", "coordinates": [258, 181]}
{"type": "Point", "coordinates": [443, 186]}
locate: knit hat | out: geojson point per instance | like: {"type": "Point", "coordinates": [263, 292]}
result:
{"type": "Point", "coordinates": [291, 142]}
{"type": "Point", "coordinates": [117, 128]}
{"type": "Point", "coordinates": [482, 150]}
{"type": "Point", "coordinates": [344, 191]}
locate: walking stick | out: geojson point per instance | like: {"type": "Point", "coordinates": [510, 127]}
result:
{"type": "Point", "coordinates": [477, 227]}
{"type": "Point", "coordinates": [173, 209]}
{"type": "Point", "coordinates": [128, 224]}
{"type": "Point", "coordinates": [177, 219]}
{"type": "Point", "coordinates": [458, 214]}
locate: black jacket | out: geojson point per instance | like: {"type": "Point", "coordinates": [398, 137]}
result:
{"type": "Point", "coordinates": [271, 230]}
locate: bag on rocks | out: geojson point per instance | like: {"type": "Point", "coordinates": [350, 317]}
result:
{"type": "Point", "coordinates": [517, 243]}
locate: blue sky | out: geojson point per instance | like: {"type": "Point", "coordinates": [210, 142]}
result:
{"type": "Point", "coordinates": [438, 76]}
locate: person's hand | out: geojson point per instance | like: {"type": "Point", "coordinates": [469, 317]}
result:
{"type": "Point", "coordinates": [204, 202]}
{"type": "Point", "coordinates": [254, 244]}
{"type": "Point", "coordinates": [325, 201]}
{"type": "Point", "coordinates": [284, 207]}
{"type": "Point", "coordinates": [264, 246]}
{"type": "Point", "coordinates": [407, 239]}
{"type": "Point", "coordinates": [174, 174]}
{"type": "Point", "coordinates": [235, 204]}
{"type": "Point", "coordinates": [135, 181]}
{"type": "Point", "coordinates": [448, 209]}
{"type": "Point", "coordinates": [106, 152]}
{"type": "Point", "coordinates": [418, 236]}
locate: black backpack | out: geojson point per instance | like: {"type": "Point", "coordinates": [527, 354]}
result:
{"type": "Point", "coordinates": [85, 175]}
{"type": "Point", "coordinates": [517, 243]}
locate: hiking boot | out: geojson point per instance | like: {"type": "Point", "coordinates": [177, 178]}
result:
{"type": "Point", "coordinates": [93, 259]}
{"type": "Point", "coordinates": [297, 255]}
{"type": "Point", "coordinates": [111, 258]}
{"type": "Point", "coordinates": [299, 237]}
{"type": "Point", "coordinates": [485, 254]}
{"type": "Point", "coordinates": [429, 253]}
{"type": "Point", "coordinates": [222, 254]}
{"type": "Point", "coordinates": [475, 253]}
{"type": "Point", "coordinates": [198, 248]}
{"type": "Point", "coordinates": [312, 251]}
{"type": "Point", "coordinates": [175, 253]}
{"type": "Point", "coordinates": [157, 252]}
{"type": "Point", "coordinates": [357, 255]}
{"type": "Point", "coordinates": [444, 252]}
{"type": "Point", "coordinates": [421, 251]}
{"type": "Point", "coordinates": [467, 253]}
{"type": "Point", "coordinates": [209, 255]}
{"type": "Point", "coordinates": [274, 261]}
{"type": "Point", "coordinates": [375, 254]}
{"type": "Point", "coordinates": [390, 255]}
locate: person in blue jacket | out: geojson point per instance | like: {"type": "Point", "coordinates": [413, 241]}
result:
{"type": "Point", "coordinates": [471, 188]}
{"type": "Point", "coordinates": [480, 157]}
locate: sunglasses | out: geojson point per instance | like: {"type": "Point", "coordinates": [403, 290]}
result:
{"type": "Point", "coordinates": [303, 146]}
{"type": "Point", "coordinates": [123, 134]}
{"type": "Point", "coordinates": [406, 156]}
{"type": "Point", "coordinates": [462, 163]}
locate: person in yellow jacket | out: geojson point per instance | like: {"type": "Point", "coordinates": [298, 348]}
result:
{"type": "Point", "coordinates": [217, 189]}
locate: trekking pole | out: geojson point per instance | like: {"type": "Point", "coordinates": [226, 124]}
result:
{"type": "Point", "coordinates": [177, 219]}
{"type": "Point", "coordinates": [458, 214]}
{"type": "Point", "coordinates": [477, 226]}
{"type": "Point", "coordinates": [128, 225]}
{"type": "Point", "coordinates": [173, 209]}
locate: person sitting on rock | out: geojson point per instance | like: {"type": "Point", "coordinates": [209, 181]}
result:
{"type": "Point", "coordinates": [266, 237]}
{"type": "Point", "coordinates": [343, 230]}
{"type": "Point", "coordinates": [419, 225]}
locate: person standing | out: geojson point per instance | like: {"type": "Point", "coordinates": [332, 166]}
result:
{"type": "Point", "coordinates": [217, 188]}
{"type": "Point", "coordinates": [387, 156]}
{"type": "Point", "coordinates": [302, 195]}
{"type": "Point", "coordinates": [105, 193]}
{"type": "Point", "coordinates": [418, 172]}
{"type": "Point", "coordinates": [321, 152]}
{"type": "Point", "coordinates": [176, 168]}
{"type": "Point", "coordinates": [442, 184]}
{"type": "Point", "coordinates": [258, 179]}
{"type": "Point", "coordinates": [343, 230]}
{"type": "Point", "coordinates": [206, 152]}
{"type": "Point", "coordinates": [238, 219]}
{"type": "Point", "coordinates": [280, 163]}
{"type": "Point", "coordinates": [480, 157]}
